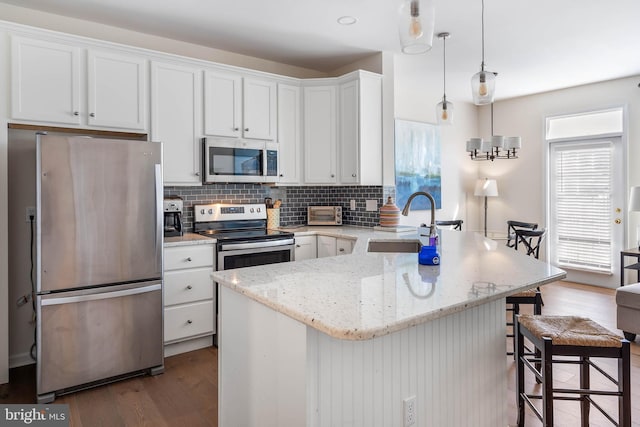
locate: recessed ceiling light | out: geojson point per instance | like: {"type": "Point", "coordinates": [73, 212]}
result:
{"type": "Point", "coordinates": [347, 20]}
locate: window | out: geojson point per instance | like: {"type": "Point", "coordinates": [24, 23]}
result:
{"type": "Point", "coordinates": [589, 124]}
{"type": "Point", "coordinates": [581, 187]}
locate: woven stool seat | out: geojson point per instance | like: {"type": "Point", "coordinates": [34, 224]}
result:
{"type": "Point", "coordinates": [570, 340]}
{"type": "Point", "coordinates": [527, 293]}
{"type": "Point", "coordinates": [570, 330]}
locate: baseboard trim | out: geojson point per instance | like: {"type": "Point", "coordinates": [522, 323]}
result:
{"type": "Point", "coordinates": [21, 359]}
{"type": "Point", "coordinates": [185, 346]}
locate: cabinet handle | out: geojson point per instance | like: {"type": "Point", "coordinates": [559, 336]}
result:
{"type": "Point", "coordinates": [92, 114]}
{"type": "Point", "coordinates": [236, 129]}
{"type": "Point", "coordinates": [333, 176]}
{"type": "Point", "coordinates": [189, 321]}
{"type": "Point", "coordinates": [189, 287]}
{"type": "Point", "coordinates": [189, 259]}
{"type": "Point", "coordinates": [297, 246]}
{"type": "Point", "coordinates": [341, 249]}
{"type": "Point", "coordinates": [197, 174]}
{"type": "Point", "coordinates": [353, 175]}
{"type": "Point", "coordinates": [281, 175]}
{"type": "Point", "coordinates": [76, 113]}
{"type": "Point", "coordinates": [246, 129]}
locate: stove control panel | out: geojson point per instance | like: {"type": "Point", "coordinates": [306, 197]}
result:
{"type": "Point", "coordinates": [229, 212]}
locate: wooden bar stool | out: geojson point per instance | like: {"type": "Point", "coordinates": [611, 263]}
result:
{"type": "Point", "coordinates": [577, 337]}
{"type": "Point", "coordinates": [513, 226]}
{"type": "Point", "coordinates": [531, 239]}
{"type": "Point", "coordinates": [455, 223]}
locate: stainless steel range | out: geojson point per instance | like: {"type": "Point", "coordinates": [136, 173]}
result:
{"type": "Point", "coordinates": [243, 239]}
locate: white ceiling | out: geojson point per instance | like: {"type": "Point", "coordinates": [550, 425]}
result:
{"type": "Point", "coordinates": [535, 46]}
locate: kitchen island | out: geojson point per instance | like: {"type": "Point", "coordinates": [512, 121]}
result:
{"type": "Point", "coordinates": [345, 340]}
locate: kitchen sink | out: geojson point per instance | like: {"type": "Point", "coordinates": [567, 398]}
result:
{"type": "Point", "coordinates": [408, 246]}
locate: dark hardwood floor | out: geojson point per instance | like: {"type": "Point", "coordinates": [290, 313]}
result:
{"type": "Point", "coordinates": [186, 394]}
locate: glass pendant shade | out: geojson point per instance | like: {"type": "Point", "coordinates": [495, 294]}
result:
{"type": "Point", "coordinates": [416, 20]}
{"type": "Point", "coordinates": [444, 112]}
{"type": "Point", "coordinates": [483, 85]}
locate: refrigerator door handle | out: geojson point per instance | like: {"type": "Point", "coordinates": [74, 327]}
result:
{"type": "Point", "coordinates": [159, 214]}
{"type": "Point", "coordinates": [101, 295]}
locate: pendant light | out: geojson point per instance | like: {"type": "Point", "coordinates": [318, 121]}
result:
{"type": "Point", "coordinates": [483, 83]}
{"type": "Point", "coordinates": [444, 109]}
{"type": "Point", "coordinates": [415, 24]}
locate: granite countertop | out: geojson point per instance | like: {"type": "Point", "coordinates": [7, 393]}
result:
{"type": "Point", "coordinates": [187, 239]}
{"type": "Point", "coordinates": [364, 295]}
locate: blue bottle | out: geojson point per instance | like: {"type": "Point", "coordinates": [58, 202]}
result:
{"type": "Point", "coordinates": [429, 255]}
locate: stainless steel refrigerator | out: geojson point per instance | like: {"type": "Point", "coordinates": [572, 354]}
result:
{"type": "Point", "coordinates": [99, 261]}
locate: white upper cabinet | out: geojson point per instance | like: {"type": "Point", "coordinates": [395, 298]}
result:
{"type": "Point", "coordinates": [360, 131]}
{"type": "Point", "coordinates": [320, 137]}
{"type": "Point", "coordinates": [239, 107]}
{"type": "Point", "coordinates": [45, 81]}
{"type": "Point", "coordinates": [116, 90]}
{"type": "Point", "coordinates": [289, 134]}
{"type": "Point", "coordinates": [176, 100]}
{"type": "Point", "coordinates": [259, 109]}
{"type": "Point", "coordinates": [222, 104]}
{"type": "Point", "coordinates": [52, 83]}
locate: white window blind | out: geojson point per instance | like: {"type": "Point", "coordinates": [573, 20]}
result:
{"type": "Point", "coordinates": [582, 189]}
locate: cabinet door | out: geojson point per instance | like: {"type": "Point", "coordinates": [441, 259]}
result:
{"type": "Point", "coordinates": [45, 81]}
{"type": "Point", "coordinates": [222, 104]}
{"type": "Point", "coordinates": [259, 109]}
{"type": "Point", "coordinates": [344, 246]}
{"type": "Point", "coordinates": [349, 138]}
{"type": "Point", "coordinates": [370, 130]}
{"type": "Point", "coordinates": [306, 248]}
{"type": "Point", "coordinates": [176, 99]}
{"type": "Point", "coordinates": [289, 134]}
{"type": "Point", "coordinates": [326, 246]}
{"type": "Point", "coordinates": [116, 90]}
{"type": "Point", "coordinates": [320, 135]}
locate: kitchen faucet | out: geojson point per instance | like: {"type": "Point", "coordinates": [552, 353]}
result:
{"type": "Point", "coordinates": [405, 210]}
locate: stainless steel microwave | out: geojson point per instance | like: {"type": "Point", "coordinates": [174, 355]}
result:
{"type": "Point", "coordinates": [239, 161]}
{"type": "Point", "coordinates": [324, 215]}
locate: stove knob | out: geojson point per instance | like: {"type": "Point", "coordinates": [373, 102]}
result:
{"type": "Point", "coordinates": [251, 210]}
{"type": "Point", "coordinates": [201, 211]}
{"type": "Point", "coordinates": [258, 209]}
{"type": "Point", "coordinates": [210, 211]}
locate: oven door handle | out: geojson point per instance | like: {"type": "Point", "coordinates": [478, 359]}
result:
{"type": "Point", "coordinates": [256, 245]}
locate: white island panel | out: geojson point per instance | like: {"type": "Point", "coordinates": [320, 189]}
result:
{"type": "Point", "coordinates": [279, 372]}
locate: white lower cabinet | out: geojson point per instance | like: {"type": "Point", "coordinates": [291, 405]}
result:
{"type": "Point", "coordinates": [306, 248]}
{"type": "Point", "coordinates": [189, 297]}
{"type": "Point", "coordinates": [332, 246]}
{"type": "Point", "coordinates": [344, 246]}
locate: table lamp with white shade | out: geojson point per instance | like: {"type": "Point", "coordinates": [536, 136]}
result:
{"type": "Point", "coordinates": [489, 188]}
{"type": "Point", "coordinates": [634, 206]}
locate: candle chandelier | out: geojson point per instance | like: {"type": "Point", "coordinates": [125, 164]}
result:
{"type": "Point", "coordinates": [498, 147]}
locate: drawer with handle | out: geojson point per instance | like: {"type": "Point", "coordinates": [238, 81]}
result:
{"type": "Point", "coordinates": [188, 320]}
{"type": "Point", "coordinates": [191, 256]}
{"type": "Point", "coordinates": [191, 285]}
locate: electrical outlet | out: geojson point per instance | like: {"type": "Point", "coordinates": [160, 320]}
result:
{"type": "Point", "coordinates": [409, 406]}
{"type": "Point", "coordinates": [30, 211]}
{"type": "Point", "coordinates": [352, 205]}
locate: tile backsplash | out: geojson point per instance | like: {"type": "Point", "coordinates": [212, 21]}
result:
{"type": "Point", "coordinates": [294, 200]}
